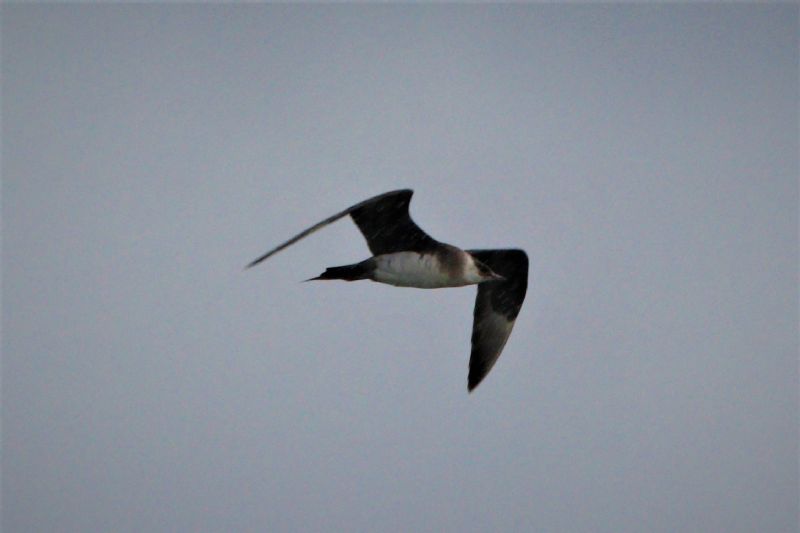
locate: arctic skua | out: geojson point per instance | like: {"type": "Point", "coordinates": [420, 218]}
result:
{"type": "Point", "coordinates": [404, 255]}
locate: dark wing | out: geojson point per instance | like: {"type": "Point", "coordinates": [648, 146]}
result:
{"type": "Point", "coordinates": [496, 308]}
{"type": "Point", "coordinates": [386, 225]}
{"type": "Point", "coordinates": [383, 220]}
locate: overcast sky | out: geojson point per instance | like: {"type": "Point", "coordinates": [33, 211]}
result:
{"type": "Point", "coordinates": [644, 157]}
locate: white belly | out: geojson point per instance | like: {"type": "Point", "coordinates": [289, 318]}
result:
{"type": "Point", "coordinates": [411, 269]}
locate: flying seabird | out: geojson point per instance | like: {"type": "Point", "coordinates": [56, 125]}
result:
{"type": "Point", "coordinates": [404, 255]}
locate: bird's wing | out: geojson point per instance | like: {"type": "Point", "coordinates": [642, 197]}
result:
{"type": "Point", "coordinates": [383, 220]}
{"type": "Point", "coordinates": [387, 226]}
{"type": "Point", "coordinates": [496, 308]}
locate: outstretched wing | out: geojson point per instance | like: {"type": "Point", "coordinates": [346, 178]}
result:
{"type": "Point", "coordinates": [383, 220]}
{"type": "Point", "coordinates": [496, 308]}
{"type": "Point", "coordinates": [387, 226]}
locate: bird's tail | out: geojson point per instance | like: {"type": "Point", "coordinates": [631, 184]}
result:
{"type": "Point", "coordinates": [347, 272]}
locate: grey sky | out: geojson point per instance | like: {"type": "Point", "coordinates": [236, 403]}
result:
{"type": "Point", "coordinates": [645, 157]}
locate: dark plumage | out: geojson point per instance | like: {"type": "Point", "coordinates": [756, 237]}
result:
{"type": "Point", "coordinates": [404, 255]}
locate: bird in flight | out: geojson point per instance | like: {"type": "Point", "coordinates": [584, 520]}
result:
{"type": "Point", "coordinates": [404, 255]}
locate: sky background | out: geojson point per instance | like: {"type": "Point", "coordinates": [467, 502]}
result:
{"type": "Point", "coordinates": [646, 158]}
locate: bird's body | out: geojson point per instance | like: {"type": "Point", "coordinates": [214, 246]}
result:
{"type": "Point", "coordinates": [446, 267]}
{"type": "Point", "coordinates": [405, 256]}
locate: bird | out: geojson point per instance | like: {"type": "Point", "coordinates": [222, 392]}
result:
{"type": "Point", "coordinates": [403, 255]}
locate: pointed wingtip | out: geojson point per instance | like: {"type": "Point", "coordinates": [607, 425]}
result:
{"type": "Point", "coordinates": [254, 262]}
